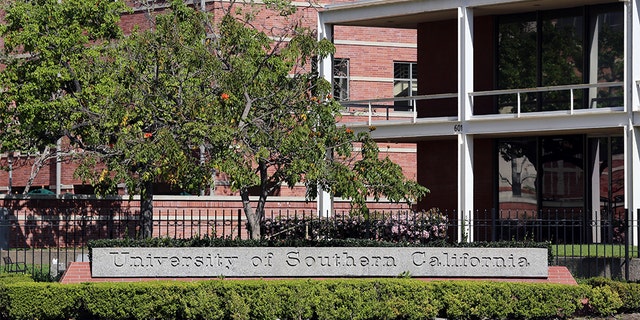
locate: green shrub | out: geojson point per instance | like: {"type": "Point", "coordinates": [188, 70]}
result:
{"type": "Point", "coordinates": [308, 299]}
{"type": "Point", "coordinates": [473, 299]}
{"type": "Point", "coordinates": [604, 301]}
{"type": "Point", "coordinates": [204, 302]}
{"type": "Point", "coordinates": [411, 299]}
{"type": "Point", "coordinates": [41, 301]}
{"type": "Point", "coordinates": [546, 300]}
{"type": "Point", "coordinates": [6, 278]}
{"type": "Point", "coordinates": [628, 292]}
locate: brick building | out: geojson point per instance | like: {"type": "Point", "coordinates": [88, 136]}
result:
{"type": "Point", "coordinates": [369, 63]}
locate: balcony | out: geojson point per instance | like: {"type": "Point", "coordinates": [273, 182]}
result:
{"type": "Point", "coordinates": [564, 110]}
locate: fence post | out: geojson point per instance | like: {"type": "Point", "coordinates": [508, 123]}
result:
{"type": "Point", "coordinates": [493, 224]}
{"type": "Point", "coordinates": [240, 224]}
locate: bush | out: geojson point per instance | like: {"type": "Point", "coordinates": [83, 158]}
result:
{"type": "Point", "coordinates": [305, 299]}
{"type": "Point", "coordinates": [414, 227]}
{"type": "Point", "coordinates": [628, 292]}
{"type": "Point", "coordinates": [24, 300]}
{"type": "Point", "coordinates": [6, 278]}
{"type": "Point", "coordinates": [503, 300]}
{"type": "Point", "coordinates": [603, 301]}
{"type": "Point", "coordinates": [532, 301]}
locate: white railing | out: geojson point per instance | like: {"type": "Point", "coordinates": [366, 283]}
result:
{"type": "Point", "coordinates": [570, 88]}
{"type": "Point", "coordinates": [388, 103]}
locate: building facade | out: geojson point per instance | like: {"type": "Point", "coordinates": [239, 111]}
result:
{"type": "Point", "coordinates": [525, 109]}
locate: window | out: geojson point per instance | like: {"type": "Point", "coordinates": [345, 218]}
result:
{"type": "Point", "coordinates": [606, 57]}
{"type": "Point", "coordinates": [341, 79]}
{"type": "Point", "coordinates": [405, 84]}
{"type": "Point", "coordinates": [564, 47]}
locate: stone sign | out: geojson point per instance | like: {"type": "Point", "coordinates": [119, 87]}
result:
{"type": "Point", "coordinates": [319, 262]}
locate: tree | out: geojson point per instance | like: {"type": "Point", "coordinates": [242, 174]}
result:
{"type": "Point", "coordinates": [155, 107]}
{"type": "Point", "coordinates": [44, 40]}
{"type": "Point", "coordinates": [283, 122]}
{"type": "Point", "coordinates": [197, 93]}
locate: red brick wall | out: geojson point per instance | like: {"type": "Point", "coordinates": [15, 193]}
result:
{"type": "Point", "coordinates": [80, 272]}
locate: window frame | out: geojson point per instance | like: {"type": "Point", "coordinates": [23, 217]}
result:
{"type": "Point", "coordinates": [341, 85]}
{"type": "Point", "coordinates": [411, 81]}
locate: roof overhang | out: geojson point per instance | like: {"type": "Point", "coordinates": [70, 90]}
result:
{"type": "Point", "coordinates": [409, 13]}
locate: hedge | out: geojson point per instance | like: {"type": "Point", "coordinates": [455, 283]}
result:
{"type": "Point", "coordinates": [628, 292]}
{"type": "Point", "coordinates": [313, 299]}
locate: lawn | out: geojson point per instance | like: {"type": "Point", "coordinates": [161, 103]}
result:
{"type": "Point", "coordinates": [593, 250]}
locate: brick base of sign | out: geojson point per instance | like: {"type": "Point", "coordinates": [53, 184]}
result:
{"type": "Point", "coordinates": [79, 272]}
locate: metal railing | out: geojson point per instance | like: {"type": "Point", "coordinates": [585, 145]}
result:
{"type": "Point", "coordinates": [368, 107]}
{"type": "Point", "coordinates": [571, 89]}
{"type": "Point", "coordinates": [48, 239]}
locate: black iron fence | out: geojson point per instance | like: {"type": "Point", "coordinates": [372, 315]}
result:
{"type": "Point", "coordinates": [589, 243]}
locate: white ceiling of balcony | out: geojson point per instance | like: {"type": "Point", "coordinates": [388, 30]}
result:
{"type": "Point", "coordinates": [408, 13]}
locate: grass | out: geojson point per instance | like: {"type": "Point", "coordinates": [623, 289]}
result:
{"type": "Point", "coordinates": [593, 250]}
{"type": "Point", "coordinates": [39, 272]}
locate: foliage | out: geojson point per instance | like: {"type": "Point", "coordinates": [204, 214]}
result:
{"type": "Point", "coordinates": [227, 242]}
{"type": "Point", "coordinates": [306, 299]}
{"type": "Point", "coordinates": [154, 106]}
{"type": "Point", "coordinates": [628, 292]}
{"type": "Point", "coordinates": [191, 96]}
{"type": "Point", "coordinates": [604, 301]}
{"type": "Point", "coordinates": [6, 278]}
{"type": "Point", "coordinates": [418, 227]}
{"type": "Point", "coordinates": [45, 43]}
{"type": "Point", "coordinates": [58, 302]}
{"type": "Point", "coordinates": [284, 123]}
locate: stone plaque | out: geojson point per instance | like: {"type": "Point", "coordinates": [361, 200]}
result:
{"type": "Point", "coordinates": [319, 262]}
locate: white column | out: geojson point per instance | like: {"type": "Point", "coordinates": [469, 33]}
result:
{"type": "Point", "coordinates": [632, 177]}
{"type": "Point", "coordinates": [325, 31]}
{"type": "Point", "coordinates": [58, 167]}
{"type": "Point", "coordinates": [596, 213]}
{"type": "Point", "coordinates": [465, 107]}
{"type": "Point", "coordinates": [632, 133]}
{"type": "Point", "coordinates": [632, 67]}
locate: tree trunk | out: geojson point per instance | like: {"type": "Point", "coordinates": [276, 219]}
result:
{"type": "Point", "coordinates": [146, 210]}
{"type": "Point", "coordinates": [253, 218]}
{"type": "Point", "coordinates": [38, 163]}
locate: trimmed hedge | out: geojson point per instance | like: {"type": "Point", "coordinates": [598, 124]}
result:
{"type": "Point", "coordinates": [312, 299]}
{"type": "Point", "coordinates": [628, 292]}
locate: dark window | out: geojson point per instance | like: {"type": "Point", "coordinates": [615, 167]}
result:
{"type": "Point", "coordinates": [341, 79]}
{"type": "Point", "coordinates": [562, 47]}
{"type": "Point", "coordinates": [405, 84]}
